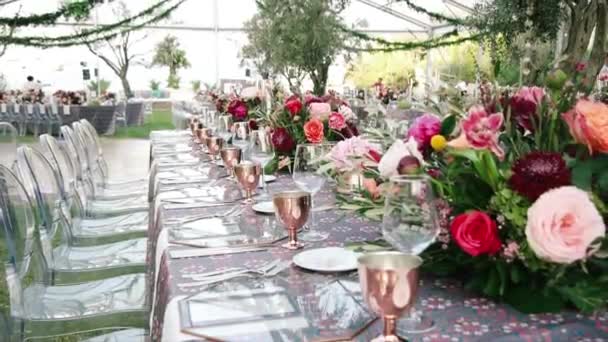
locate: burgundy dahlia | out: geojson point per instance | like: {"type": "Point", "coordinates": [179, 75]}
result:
{"type": "Point", "coordinates": [282, 141]}
{"type": "Point", "coordinates": [524, 104]}
{"type": "Point", "coordinates": [538, 172]}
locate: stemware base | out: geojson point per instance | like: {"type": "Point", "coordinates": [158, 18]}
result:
{"type": "Point", "coordinates": [415, 324]}
{"type": "Point", "coordinates": [292, 246]}
{"type": "Point", "coordinates": [313, 236]}
{"type": "Point", "coordinates": [383, 338]}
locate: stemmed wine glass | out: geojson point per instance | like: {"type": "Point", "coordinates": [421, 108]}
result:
{"type": "Point", "coordinates": [224, 127]}
{"type": "Point", "coordinates": [410, 224]}
{"type": "Point", "coordinates": [262, 152]}
{"type": "Point", "coordinates": [240, 137]}
{"type": "Point", "coordinates": [307, 176]}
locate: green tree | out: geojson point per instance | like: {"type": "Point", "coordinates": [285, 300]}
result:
{"type": "Point", "coordinates": [395, 68]}
{"type": "Point", "coordinates": [117, 52]}
{"type": "Point", "coordinates": [104, 85]}
{"type": "Point", "coordinates": [169, 54]}
{"type": "Point", "coordinates": [296, 37]}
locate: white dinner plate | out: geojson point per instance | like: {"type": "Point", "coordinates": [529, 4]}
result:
{"type": "Point", "coordinates": [264, 207]}
{"type": "Point", "coordinates": [328, 259]}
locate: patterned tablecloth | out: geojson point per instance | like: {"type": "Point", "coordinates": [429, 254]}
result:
{"type": "Point", "coordinates": [458, 314]}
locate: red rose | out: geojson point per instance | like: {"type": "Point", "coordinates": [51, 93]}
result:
{"type": "Point", "coordinates": [238, 109]}
{"type": "Point", "coordinates": [293, 106]}
{"type": "Point", "coordinates": [313, 130]}
{"type": "Point", "coordinates": [476, 233]}
{"type": "Point", "coordinates": [282, 141]}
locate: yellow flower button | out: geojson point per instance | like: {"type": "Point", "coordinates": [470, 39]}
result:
{"type": "Point", "coordinates": [438, 142]}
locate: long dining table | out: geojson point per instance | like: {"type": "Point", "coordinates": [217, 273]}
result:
{"type": "Point", "coordinates": [293, 304]}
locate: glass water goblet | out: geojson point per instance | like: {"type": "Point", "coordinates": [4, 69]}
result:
{"type": "Point", "coordinates": [240, 137]}
{"type": "Point", "coordinates": [410, 224]}
{"type": "Point", "coordinates": [224, 127]}
{"type": "Point", "coordinates": [307, 176]}
{"type": "Point", "coordinates": [389, 284]}
{"type": "Point", "coordinates": [248, 175]}
{"type": "Point", "coordinates": [262, 152]}
{"type": "Point", "coordinates": [292, 209]}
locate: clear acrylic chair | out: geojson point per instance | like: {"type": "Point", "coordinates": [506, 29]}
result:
{"type": "Point", "coordinates": [102, 206]}
{"type": "Point", "coordinates": [77, 193]}
{"type": "Point", "coordinates": [43, 184]}
{"type": "Point", "coordinates": [89, 136]}
{"type": "Point", "coordinates": [32, 308]}
{"type": "Point", "coordinates": [8, 144]}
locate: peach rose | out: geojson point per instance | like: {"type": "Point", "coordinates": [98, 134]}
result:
{"type": "Point", "coordinates": [588, 123]}
{"type": "Point", "coordinates": [313, 130]}
{"type": "Point", "coordinates": [319, 110]}
{"type": "Point", "coordinates": [562, 224]}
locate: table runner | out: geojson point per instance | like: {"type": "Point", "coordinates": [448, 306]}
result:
{"type": "Point", "coordinates": [458, 314]}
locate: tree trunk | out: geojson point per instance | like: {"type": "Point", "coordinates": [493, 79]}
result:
{"type": "Point", "coordinates": [319, 79]}
{"type": "Point", "coordinates": [583, 21]}
{"type": "Point", "coordinates": [598, 50]}
{"type": "Point", "coordinates": [126, 87]}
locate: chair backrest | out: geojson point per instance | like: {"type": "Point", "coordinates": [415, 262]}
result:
{"type": "Point", "coordinates": [91, 151]}
{"type": "Point", "coordinates": [21, 261]}
{"type": "Point", "coordinates": [96, 148]}
{"type": "Point", "coordinates": [8, 144]}
{"type": "Point", "coordinates": [61, 163]}
{"type": "Point", "coordinates": [41, 182]}
{"type": "Point", "coordinates": [76, 149]}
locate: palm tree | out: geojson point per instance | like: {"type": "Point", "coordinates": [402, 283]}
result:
{"type": "Point", "coordinates": [169, 54]}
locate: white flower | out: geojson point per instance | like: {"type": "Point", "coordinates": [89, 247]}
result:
{"type": "Point", "coordinates": [347, 113]}
{"type": "Point", "coordinates": [249, 93]}
{"type": "Point", "coordinates": [399, 149]}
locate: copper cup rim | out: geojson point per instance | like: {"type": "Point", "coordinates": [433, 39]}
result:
{"type": "Point", "coordinates": [230, 148]}
{"type": "Point", "coordinates": [387, 261]}
{"type": "Point", "coordinates": [290, 194]}
{"type": "Point", "coordinates": [215, 139]}
{"type": "Point", "coordinates": [244, 165]}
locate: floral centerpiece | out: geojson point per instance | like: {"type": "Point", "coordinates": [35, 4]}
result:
{"type": "Point", "coordinates": [522, 180]}
{"type": "Point", "coordinates": [242, 107]}
{"type": "Point", "coordinates": [310, 119]}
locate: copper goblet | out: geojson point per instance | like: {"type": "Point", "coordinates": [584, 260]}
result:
{"type": "Point", "coordinates": [214, 145]}
{"type": "Point", "coordinates": [389, 283]}
{"type": "Point", "coordinates": [292, 209]}
{"type": "Point", "coordinates": [193, 123]}
{"type": "Point", "coordinates": [230, 156]}
{"type": "Point", "coordinates": [248, 175]}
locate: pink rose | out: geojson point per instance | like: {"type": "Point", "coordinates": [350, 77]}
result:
{"type": "Point", "coordinates": [313, 130]}
{"type": "Point", "coordinates": [336, 121]}
{"type": "Point", "coordinates": [424, 128]}
{"type": "Point", "coordinates": [562, 224]}
{"type": "Point", "coordinates": [319, 110]}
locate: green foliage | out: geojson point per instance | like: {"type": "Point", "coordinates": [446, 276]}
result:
{"type": "Point", "coordinates": [168, 53]}
{"type": "Point", "coordinates": [396, 69]}
{"type": "Point", "coordinates": [104, 85]}
{"type": "Point", "coordinates": [196, 86]}
{"type": "Point", "coordinates": [154, 85]}
{"type": "Point", "coordinates": [80, 10]}
{"type": "Point", "coordinates": [296, 35]}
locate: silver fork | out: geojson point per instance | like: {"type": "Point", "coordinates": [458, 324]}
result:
{"type": "Point", "coordinates": [270, 272]}
{"type": "Point", "coordinates": [232, 270]}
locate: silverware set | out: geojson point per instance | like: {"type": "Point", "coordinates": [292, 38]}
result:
{"type": "Point", "coordinates": [232, 212]}
{"type": "Point", "coordinates": [268, 270]}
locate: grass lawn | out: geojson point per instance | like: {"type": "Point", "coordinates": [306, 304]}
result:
{"type": "Point", "coordinates": [160, 119]}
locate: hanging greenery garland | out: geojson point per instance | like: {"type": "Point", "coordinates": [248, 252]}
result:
{"type": "Point", "coordinates": [435, 15]}
{"type": "Point", "coordinates": [75, 9]}
{"type": "Point", "coordinates": [101, 32]}
{"type": "Point", "coordinates": [424, 45]}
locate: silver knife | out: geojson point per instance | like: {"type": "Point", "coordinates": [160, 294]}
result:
{"type": "Point", "coordinates": [193, 253]}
